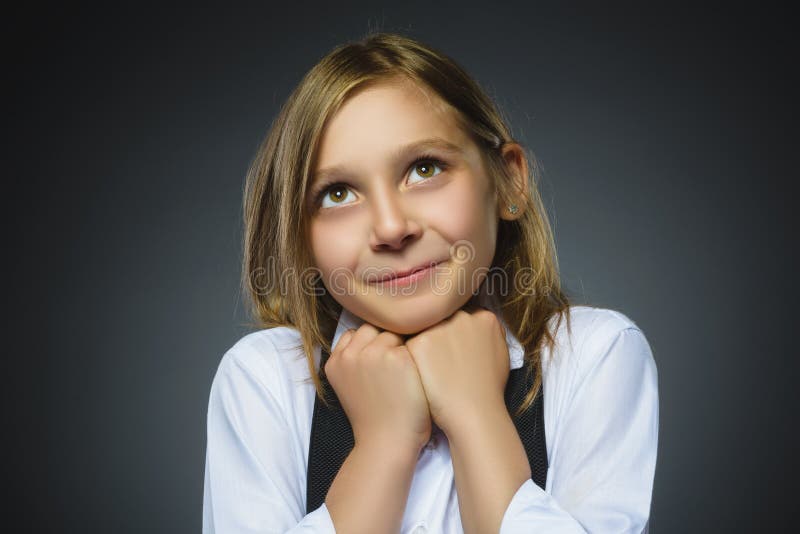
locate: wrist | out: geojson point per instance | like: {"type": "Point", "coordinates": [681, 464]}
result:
{"type": "Point", "coordinates": [389, 447]}
{"type": "Point", "coordinates": [475, 418]}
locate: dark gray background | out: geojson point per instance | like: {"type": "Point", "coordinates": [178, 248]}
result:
{"type": "Point", "coordinates": [664, 136]}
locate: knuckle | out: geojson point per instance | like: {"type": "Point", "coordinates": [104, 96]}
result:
{"type": "Point", "coordinates": [397, 352]}
{"type": "Point", "coordinates": [347, 353]}
{"type": "Point", "coordinates": [371, 351]}
{"type": "Point", "coordinates": [485, 315]}
{"type": "Point", "coordinates": [367, 327]}
{"type": "Point", "coordinates": [343, 342]}
{"type": "Point", "coordinates": [389, 337]}
{"type": "Point", "coordinates": [420, 342]}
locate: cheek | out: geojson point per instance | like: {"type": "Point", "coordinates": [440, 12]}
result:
{"type": "Point", "coordinates": [466, 214]}
{"type": "Point", "coordinates": [329, 250]}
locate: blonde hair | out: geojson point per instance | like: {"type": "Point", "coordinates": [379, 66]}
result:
{"type": "Point", "coordinates": [276, 214]}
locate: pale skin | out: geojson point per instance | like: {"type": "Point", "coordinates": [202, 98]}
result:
{"type": "Point", "coordinates": [426, 357]}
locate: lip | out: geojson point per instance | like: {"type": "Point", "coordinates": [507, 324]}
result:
{"type": "Point", "coordinates": [406, 275]}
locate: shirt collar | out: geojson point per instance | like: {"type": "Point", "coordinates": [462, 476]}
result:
{"type": "Point", "coordinates": [516, 353]}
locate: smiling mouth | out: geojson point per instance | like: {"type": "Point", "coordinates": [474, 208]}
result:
{"type": "Point", "coordinates": [406, 275]}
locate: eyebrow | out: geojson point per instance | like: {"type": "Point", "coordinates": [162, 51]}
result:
{"type": "Point", "coordinates": [400, 154]}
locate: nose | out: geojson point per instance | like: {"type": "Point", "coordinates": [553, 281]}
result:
{"type": "Point", "coordinates": [392, 227]}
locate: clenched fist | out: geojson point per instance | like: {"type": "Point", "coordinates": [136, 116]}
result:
{"type": "Point", "coordinates": [380, 389]}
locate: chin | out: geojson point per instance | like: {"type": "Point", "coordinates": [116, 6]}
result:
{"type": "Point", "coordinates": [407, 328]}
{"type": "Point", "coordinates": [413, 318]}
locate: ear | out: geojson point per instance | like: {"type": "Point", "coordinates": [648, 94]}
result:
{"type": "Point", "coordinates": [517, 164]}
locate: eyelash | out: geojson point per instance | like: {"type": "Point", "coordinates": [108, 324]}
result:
{"type": "Point", "coordinates": [424, 158]}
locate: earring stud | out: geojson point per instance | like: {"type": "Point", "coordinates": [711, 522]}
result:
{"type": "Point", "coordinates": [513, 209]}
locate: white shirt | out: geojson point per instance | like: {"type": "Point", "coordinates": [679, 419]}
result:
{"type": "Point", "coordinates": [601, 428]}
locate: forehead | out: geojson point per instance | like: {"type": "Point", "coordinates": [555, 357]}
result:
{"type": "Point", "coordinates": [383, 115]}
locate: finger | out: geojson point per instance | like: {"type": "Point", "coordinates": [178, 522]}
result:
{"type": "Point", "coordinates": [363, 336]}
{"type": "Point", "coordinates": [387, 339]}
{"type": "Point", "coordinates": [344, 340]}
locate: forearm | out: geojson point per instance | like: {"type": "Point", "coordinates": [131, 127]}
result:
{"type": "Point", "coordinates": [490, 464]}
{"type": "Point", "coordinates": [370, 492]}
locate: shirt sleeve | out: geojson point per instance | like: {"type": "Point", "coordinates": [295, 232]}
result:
{"type": "Point", "coordinates": [604, 460]}
{"type": "Point", "coordinates": [254, 474]}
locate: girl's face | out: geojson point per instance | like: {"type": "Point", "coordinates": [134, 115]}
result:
{"type": "Point", "coordinates": [410, 190]}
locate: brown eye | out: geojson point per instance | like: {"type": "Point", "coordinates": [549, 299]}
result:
{"type": "Point", "coordinates": [337, 193]}
{"type": "Point", "coordinates": [427, 171]}
{"type": "Point", "coordinates": [426, 168]}
{"type": "Point", "coordinates": [334, 195]}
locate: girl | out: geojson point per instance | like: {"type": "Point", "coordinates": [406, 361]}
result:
{"type": "Point", "coordinates": [392, 223]}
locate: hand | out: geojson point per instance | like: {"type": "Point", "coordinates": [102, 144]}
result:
{"type": "Point", "coordinates": [463, 363]}
{"type": "Point", "coordinates": [379, 388]}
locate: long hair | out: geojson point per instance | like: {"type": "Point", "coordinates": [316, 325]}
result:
{"type": "Point", "coordinates": [278, 274]}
